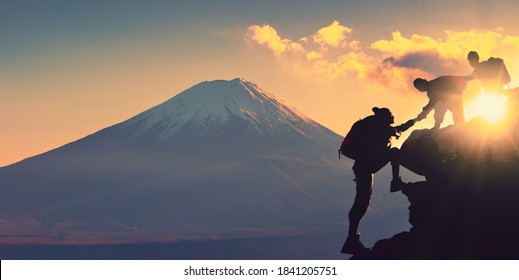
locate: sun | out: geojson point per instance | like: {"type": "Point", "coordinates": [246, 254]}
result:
{"type": "Point", "coordinates": [491, 107]}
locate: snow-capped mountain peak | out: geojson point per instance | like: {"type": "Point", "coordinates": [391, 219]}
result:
{"type": "Point", "coordinates": [211, 105]}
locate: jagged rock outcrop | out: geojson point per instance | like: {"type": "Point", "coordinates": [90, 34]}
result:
{"type": "Point", "coordinates": [468, 207]}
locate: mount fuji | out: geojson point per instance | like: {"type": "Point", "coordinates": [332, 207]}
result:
{"type": "Point", "coordinates": [222, 159]}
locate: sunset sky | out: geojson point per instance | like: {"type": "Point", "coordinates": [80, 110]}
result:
{"type": "Point", "coordinates": [71, 68]}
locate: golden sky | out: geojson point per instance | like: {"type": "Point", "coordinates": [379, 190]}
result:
{"type": "Point", "coordinates": [68, 70]}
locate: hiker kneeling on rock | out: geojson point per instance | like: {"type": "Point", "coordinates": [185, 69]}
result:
{"type": "Point", "coordinates": [369, 144]}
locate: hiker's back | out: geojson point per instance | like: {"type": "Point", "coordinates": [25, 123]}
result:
{"type": "Point", "coordinates": [447, 84]}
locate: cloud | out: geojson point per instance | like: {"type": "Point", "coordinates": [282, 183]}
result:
{"type": "Point", "coordinates": [355, 45]}
{"type": "Point", "coordinates": [352, 63]}
{"type": "Point", "coordinates": [333, 35]}
{"type": "Point", "coordinates": [512, 41]}
{"type": "Point", "coordinates": [392, 64]}
{"type": "Point", "coordinates": [313, 55]}
{"type": "Point", "coordinates": [399, 72]}
{"type": "Point", "coordinates": [423, 56]}
{"type": "Point", "coordinates": [266, 35]}
{"type": "Point", "coordinates": [456, 45]}
{"type": "Point", "coordinates": [386, 75]}
{"type": "Point", "coordinates": [399, 45]}
{"type": "Point", "coordinates": [428, 61]}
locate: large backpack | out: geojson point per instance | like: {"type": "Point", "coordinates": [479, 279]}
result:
{"type": "Point", "coordinates": [352, 144]}
{"type": "Point", "coordinates": [495, 70]}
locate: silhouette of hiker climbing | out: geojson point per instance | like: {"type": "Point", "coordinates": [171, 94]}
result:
{"type": "Point", "coordinates": [445, 93]}
{"type": "Point", "coordinates": [494, 76]}
{"type": "Point", "coordinates": [492, 73]}
{"type": "Point", "coordinates": [369, 143]}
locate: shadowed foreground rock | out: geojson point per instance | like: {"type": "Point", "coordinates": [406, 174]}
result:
{"type": "Point", "coordinates": [468, 207]}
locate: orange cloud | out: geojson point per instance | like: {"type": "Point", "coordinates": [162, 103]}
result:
{"type": "Point", "coordinates": [400, 45]}
{"type": "Point", "coordinates": [267, 35]}
{"type": "Point", "coordinates": [354, 45]}
{"type": "Point", "coordinates": [333, 35]}
{"type": "Point", "coordinates": [423, 56]}
{"type": "Point", "coordinates": [356, 63]}
{"type": "Point", "coordinates": [393, 63]}
{"type": "Point", "coordinates": [456, 44]}
{"type": "Point", "coordinates": [512, 41]}
{"type": "Point", "coordinates": [385, 75]}
{"type": "Point", "coordinates": [313, 55]}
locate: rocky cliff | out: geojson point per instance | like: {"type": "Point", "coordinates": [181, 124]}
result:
{"type": "Point", "coordinates": [468, 207]}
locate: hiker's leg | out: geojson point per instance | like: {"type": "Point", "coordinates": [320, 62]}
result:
{"type": "Point", "coordinates": [364, 181]}
{"type": "Point", "coordinates": [394, 155]}
{"type": "Point", "coordinates": [457, 109]}
{"type": "Point", "coordinates": [381, 159]}
{"type": "Point", "coordinates": [439, 112]}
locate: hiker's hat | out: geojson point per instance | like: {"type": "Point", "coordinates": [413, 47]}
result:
{"type": "Point", "coordinates": [381, 111]}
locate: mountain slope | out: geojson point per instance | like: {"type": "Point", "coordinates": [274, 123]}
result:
{"type": "Point", "coordinates": [211, 105]}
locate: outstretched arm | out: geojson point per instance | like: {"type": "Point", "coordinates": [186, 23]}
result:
{"type": "Point", "coordinates": [468, 77]}
{"type": "Point", "coordinates": [405, 126]}
{"type": "Point", "coordinates": [425, 111]}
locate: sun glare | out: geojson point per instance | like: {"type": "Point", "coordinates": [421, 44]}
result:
{"type": "Point", "coordinates": [490, 106]}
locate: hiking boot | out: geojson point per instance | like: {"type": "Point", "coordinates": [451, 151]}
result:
{"type": "Point", "coordinates": [353, 246]}
{"type": "Point", "coordinates": [397, 185]}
